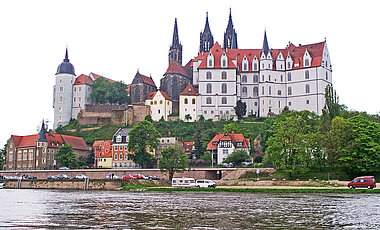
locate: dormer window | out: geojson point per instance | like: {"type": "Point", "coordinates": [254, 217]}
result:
{"type": "Point", "coordinates": [118, 139]}
{"type": "Point", "coordinates": [224, 60]}
{"type": "Point", "coordinates": [210, 61]}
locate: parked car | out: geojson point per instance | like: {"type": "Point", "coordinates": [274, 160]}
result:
{"type": "Point", "coordinates": [183, 182]}
{"type": "Point", "coordinates": [11, 177]}
{"type": "Point", "coordinates": [136, 176]}
{"type": "Point", "coordinates": [110, 176]}
{"type": "Point", "coordinates": [146, 177]}
{"type": "Point", "coordinates": [51, 177]}
{"type": "Point", "coordinates": [363, 181]}
{"type": "Point", "coordinates": [154, 178]}
{"type": "Point", "coordinates": [64, 168]}
{"type": "Point", "coordinates": [62, 176]}
{"type": "Point", "coordinates": [80, 176]}
{"type": "Point", "coordinates": [32, 177]}
{"type": "Point", "coordinates": [205, 184]}
{"type": "Point", "coordinates": [128, 177]}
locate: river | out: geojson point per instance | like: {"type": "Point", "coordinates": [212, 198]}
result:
{"type": "Point", "coordinates": [186, 210]}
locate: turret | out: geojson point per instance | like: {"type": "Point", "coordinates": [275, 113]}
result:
{"type": "Point", "coordinates": [230, 36]}
{"type": "Point", "coordinates": [206, 38]}
{"type": "Point", "coordinates": [175, 51]}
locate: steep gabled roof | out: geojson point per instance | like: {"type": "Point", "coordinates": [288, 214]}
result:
{"type": "Point", "coordinates": [144, 79]}
{"type": "Point", "coordinates": [83, 80]}
{"type": "Point", "coordinates": [233, 137]}
{"type": "Point", "coordinates": [102, 148]}
{"type": "Point", "coordinates": [217, 51]}
{"type": "Point", "coordinates": [152, 94]}
{"type": "Point", "coordinates": [96, 76]}
{"type": "Point", "coordinates": [75, 142]}
{"type": "Point", "coordinates": [176, 68]}
{"type": "Point", "coordinates": [189, 91]}
{"type": "Point", "coordinates": [25, 141]}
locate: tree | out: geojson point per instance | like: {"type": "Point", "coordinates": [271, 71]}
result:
{"type": "Point", "coordinates": [173, 160]}
{"type": "Point", "coordinates": [237, 157]}
{"type": "Point", "coordinates": [3, 153]}
{"type": "Point", "coordinates": [143, 139]}
{"type": "Point", "coordinates": [240, 109]}
{"type": "Point", "coordinates": [105, 91]}
{"type": "Point", "coordinates": [331, 108]}
{"type": "Point", "coordinates": [188, 117]}
{"type": "Point", "coordinates": [66, 157]}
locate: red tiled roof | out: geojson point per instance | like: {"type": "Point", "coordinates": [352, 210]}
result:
{"type": "Point", "coordinates": [234, 137]}
{"type": "Point", "coordinates": [188, 146]}
{"type": "Point", "coordinates": [189, 91]}
{"type": "Point", "coordinates": [217, 52]}
{"type": "Point", "coordinates": [96, 76]}
{"type": "Point", "coordinates": [25, 141]}
{"type": "Point", "coordinates": [175, 67]}
{"type": "Point", "coordinates": [83, 80]}
{"type": "Point", "coordinates": [148, 80]}
{"type": "Point", "coordinates": [54, 139]}
{"type": "Point", "coordinates": [152, 94]}
{"type": "Point", "coordinates": [75, 142]}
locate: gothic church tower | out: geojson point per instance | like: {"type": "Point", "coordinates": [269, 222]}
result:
{"type": "Point", "coordinates": [230, 37]}
{"type": "Point", "coordinates": [175, 51]}
{"type": "Point", "coordinates": [206, 38]}
{"type": "Point", "coordinates": [63, 92]}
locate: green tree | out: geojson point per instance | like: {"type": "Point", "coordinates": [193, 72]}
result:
{"type": "Point", "coordinates": [331, 108]}
{"type": "Point", "coordinates": [3, 153]}
{"type": "Point", "coordinates": [105, 91]}
{"type": "Point", "coordinates": [143, 139]}
{"type": "Point", "coordinates": [173, 160]}
{"type": "Point", "coordinates": [240, 109]}
{"type": "Point", "coordinates": [66, 157]}
{"type": "Point", "coordinates": [188, 117]}
{"type": "Point", "coordinates": [237, 158]}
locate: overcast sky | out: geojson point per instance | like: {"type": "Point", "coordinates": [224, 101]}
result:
{"type": "Point", "coordinates": [115, 38]}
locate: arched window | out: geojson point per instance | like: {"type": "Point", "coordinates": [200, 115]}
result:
{"type": "Point", "coordinates": [209, 88]}
{"type": "Point", "coordinates": [307, 89]}
{"type": "Point", "coordinates": [224, 100]}
{"type": "Point", "coordinates": [255, 79]}
{"type": "Point", "coordinates": [224, 75]}
{"type": "Point", "coordinates": [289, 90]}
{"type": "Point", "coordinates": [255, 66]}
{"type": "Point", "coordinates": [245, 67]}
{"type": "Point", "coordinates": [120, 156]}
{"type": "Point", "coordinates": [186, 101]}
{"type": "Point", "coordinates": [307, 74]}
{"type": "Point", "coordinates": [224, 88]}
{"type": "Point", "coordinates": [244, 78]}
{"type": "Point", "coordinates": [210, 62]}
{"type": "Point", "coordinates": [255, 91]}
{"type": "Point", "coordinates": [193, 101]}
{"type": "Point", "coordinates": [279, 92]}
{"type": "Point", "coordinates": [289, 76]}
{"type": "Point", "coordinates": [125, 156]}
{"type": "Point", "coordinates": [224, 63]}
{"type": "Point", "coordinates": [270, 90]}
{"type": "Point", "coordinates": [208, 100]}
{"type": "Point", "coordinates": [160, 102]}
{"type": "Point", "coordinates": [306, 62]}
{"type": "Point", "coordinates": [208, 75]}
{"type": "Point", "coordinates": [262, 90]}
{"type": "Point", "coordinates": [115, 156]}
{"type": "Point", "coordinates": [244, 90]}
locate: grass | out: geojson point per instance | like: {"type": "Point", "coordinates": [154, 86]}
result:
{"type": "Point", "coordinates": [262, 190]}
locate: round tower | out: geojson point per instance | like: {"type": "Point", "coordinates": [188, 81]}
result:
{"type": "Point", "coordinates": [63, 92]}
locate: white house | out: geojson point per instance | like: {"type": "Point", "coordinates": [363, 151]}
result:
{"type": "Point", "coordinates": [188, 104]}
{"type": "Point", "coordinates": [222, 145]}
{"type": "Point", "coordinates": [160, 105]}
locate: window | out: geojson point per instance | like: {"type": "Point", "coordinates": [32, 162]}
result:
{"type": "Point", "coordinates": [209, 88]}
{"type": "Point", "coordinates": [307, 102]}
{"type": "Point", "coordinates": [290, 103]}
{"type": "Point", "coordinates": [279, 92]}
{"type": "Point", "coordinates": [224, 64]}
{"type": "Point", "coordinates": [255, 66]}
{"type": "Point", "coordinates": [270, 90]}
{"type": "Point", "coordinates": [289, 76]}
{"type": "Point", "coordinates": [115, 157]}
{"type": "Point", "coordinates": [79, 98]}
{"type": "Point", "coordinates": [224, 88]}
{"type": "Point", "coordinates": [255, 79]}
{"type": "Point", "coordinates": [289, 90]}
{"type": "Point", "coordinates": [151, 102]}
{"type": "Point", "coordinates": [307, 88]}
{"type": "Point", "coordinates": [225, 151]}
{"type": "Point", "coordinates": [89, 90]}
{"type": "Point", "coordinates": [193, 101]}
{"type": "Point", "coordinates": [245, 67]}
{"type": "Point", "coordinates": [307, 74]}
{"type": "Point", "coordinates": [269, 78]}
{"type": "Point", "coordinates": [208, 100]}
{"type": "Point", "coordinates": [224, 75]}
{"type": "Point", "coordinates": [208, 75]}
{"type": "Point", "coordinates": [160, 102]}
{"type": "Point", "coordinates": [115, 147]}
{"type": "Point", "coordinates": [120, 156]}
{"type": "Point", "coordinates": [10, 156]}
{"type": "Point", "coordinates": [186, 101]}
{"type": "Point", "coordinates": [224, 100]}
{"type": "Point", "coordinates": [255, 91]}
{"type": "Point", "coordinates": [159, 111]}
{"type": "Point", "coordinates": [60, 99]}
{"type": "Point", "coordinates": [327, 75]}
{"type": "Point", "coordinates": [244, 78]}
{"type": "Point", "coordinates": [210, 63]}
{"type": "Point", "coordinates": [126, 156]}
{"type": "Point", "coordinates": [262, 78]}
{"type": "Point", "coordinates": [255, 103]}
{"type": "Point", "coordinates": [289, 65]}
{"type": "Point", "coordinates": [80, 88]}
{"type": "Point", "coordinates": [118, 138]}
{"type": "Point", "coordinates": [60, 119]}
{"type": "Point", "coordinates": [281, 78]}
{"type": "Point", "coordinates": [307, 62]}
{"type": "Point", "coordinates": [61, 89]}
{"type": "Point", "coordinates": [244, 91]}
{"type": "Point", "coordinates": [262, 90]}
{"type": "Point", "coordinates": [155, 102]}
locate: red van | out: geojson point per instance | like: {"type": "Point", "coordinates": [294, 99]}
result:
{"type": "Point", "coordinates": [363, 181]}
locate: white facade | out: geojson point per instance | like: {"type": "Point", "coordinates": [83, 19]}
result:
{"type": "Point", "coordinates": [187, 106]}
{"type": "Point", "coordinates": [62, 98]}
{"type": "Point", "coordinates": [81, 97]}
{"type": "Point", "coordinates": [160, 105]}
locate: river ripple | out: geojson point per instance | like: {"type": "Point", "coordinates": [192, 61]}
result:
{"type": "Point", "coordinates": [186, 210]}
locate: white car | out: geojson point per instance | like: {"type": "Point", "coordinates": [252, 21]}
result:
{"type": "Point", "coordinates": [205, 184]}
{"type": "Point", "coordinates": [80, 176]}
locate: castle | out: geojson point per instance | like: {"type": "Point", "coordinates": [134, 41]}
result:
{"type": "Point", "coordinates": [266, 80]}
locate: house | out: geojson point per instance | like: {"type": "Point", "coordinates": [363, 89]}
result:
{"type": "Point", "coordinates": [222, 145]}
{"type": "Point", "coordinates": [160, 105]}
{"type": "Point", "coordinates": [102, 153]}
{"type": "Point", "coordinates": [189, 147]}
{"type": "Point", "coordinates": [140, 88]}
{"type": "Point", "coordinates": [121, 157]}
{"type": "Point", "coordinates": [165, 142]}
{"type": "Point", "coordinates": [37, 152]}
{"type": "Point", "coordinates": [188, 104]}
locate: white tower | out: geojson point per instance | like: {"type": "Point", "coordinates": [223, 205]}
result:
{"type": "Point", "coordinates": [63, 92]}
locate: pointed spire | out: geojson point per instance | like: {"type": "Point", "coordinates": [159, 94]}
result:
{"type": "Point", "coordinates": [42, 134]}
{"type": "Point", "coordinates": [66, 56]}
{"type": "Point", "coordinates": [230, 36]}
{"type": "Point", "coordinates": [265, 44]}
{"type": "Point", "coordinates": [207, 26]}
{"type": "Point", "coordinates": [230, 25]}
{"type": "Point", "coordinates": [206, 38]}
{"type": "Point", "coordinates": [175, 42]}
{"type": "Point", "coordinates": [66, 66]}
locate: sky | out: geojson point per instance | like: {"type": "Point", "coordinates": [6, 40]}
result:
{"type": "Point", "coordinates": [116, 38]}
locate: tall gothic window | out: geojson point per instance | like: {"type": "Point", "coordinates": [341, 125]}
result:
{"type": "Point", "coordinates": [307, 89]}
{"type": "Point", "coordinates": [255, 66]}
{"type": "Point", "coordinates": [307, 74]}
{"type": "Point", "coordinates": [186, 101]}
{"type": "Point", "coordinates": [244, 78]}
{"type": "Point", "coordinates": [306, 62]}
{"type": "Point", "coordinates": [279, 92]}
{"type": "Point", "coordinates": [224, 88]}
{"type": "Point", "coordinates": [244, 90]}
{"type": "Point", "coordinates": [255, 91]}
{"type": "Point", "coordinates": [209, 88]}
{"type": "Point", "coordinates": [224, 75]}
{"type": "Point", "coordinates": [270, 90]}
{"type": "Point", "coordinates": [208, 100]}
{"type": "Point", "coordinates": [289, 90]}
{"type": "Point", "coordinates": [255, 79]}
{"type": "Point", "coordinates": [208, 75]}
{"type": "Point", "coordinates": [193, 101]}
{"type": "Point", "coordinates": [289, 76]}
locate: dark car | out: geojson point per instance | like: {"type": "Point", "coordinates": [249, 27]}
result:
{"type": "Point", "coordinates": [363, 182]}
{"type": "Point", "coordinates": [153, 178]}
{"type": "Point", "coordinates": [51, 177]}
{"type": "Point", "coordinates": [32, 177]}
{"type": "Point", "coordinates": [62, 176]}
